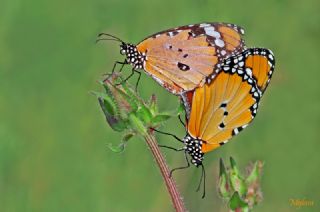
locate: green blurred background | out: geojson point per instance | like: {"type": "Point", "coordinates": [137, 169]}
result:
{"type": "Point", "coordinates": [53, 136]}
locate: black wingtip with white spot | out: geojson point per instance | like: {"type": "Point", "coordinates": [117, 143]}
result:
{"type": "Point", "coordinates": [239, 29]}
{"type": "Point", "coordinates": [236, 63]}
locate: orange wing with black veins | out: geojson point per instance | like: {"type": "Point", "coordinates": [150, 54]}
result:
{"type": "Point", "coordinates": [222, 108]}
{"type": "Point", "coordinates": [180, 59]}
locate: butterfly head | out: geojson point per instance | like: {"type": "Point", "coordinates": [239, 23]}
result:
{"type": "Point", "coordinates": [133, 56]}
{"type": "Point", "coordinates": [193, 148]}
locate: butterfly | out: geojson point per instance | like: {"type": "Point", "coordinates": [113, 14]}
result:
{"type": "Point", "coordinates": [181, 58]}
{"type": "Point", "coordinates": [228, 102]}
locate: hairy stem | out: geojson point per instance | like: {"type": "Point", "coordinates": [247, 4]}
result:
{"type": "Point", "coordinates": [171, 186]}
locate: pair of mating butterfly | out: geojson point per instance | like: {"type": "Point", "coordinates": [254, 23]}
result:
{"type": "Point", "coordinates": [219, 80]}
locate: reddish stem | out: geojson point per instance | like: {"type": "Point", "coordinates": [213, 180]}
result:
{"type": "Point", "coordinates": [171, 186]}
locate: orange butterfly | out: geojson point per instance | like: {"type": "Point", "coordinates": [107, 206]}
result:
{"type": "Point", "coordinates": [227, 103]}
{"type": "Point", "coordinates": [181, 58]}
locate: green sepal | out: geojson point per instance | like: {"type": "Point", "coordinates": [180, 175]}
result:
{"type": "Point", "coordinates": [132, 97]}
{"type": "Point", "coordinates": [162, 117]}
{"type": "Point", "coordinates": [123, 96]}
{"type": "Point", "coordinates": [234, 166]}
{"type": "Point", "coordinates": [114, 121]}
{"type": "Point", "coordinates": [223, 184]}
{"type": "Point", "coordinates": [121, 147]}
{"type": "Point", "coordinates": [116, 149]}
{"type": "Point", "coordinates": [255, 173]}
{"type": "Point", "coordinates": [158, 119]}
{"type": "Point", "coordinates": [127, 137]}
{"type": "Point", "coordinates": [137, 125]}
{"type": "Point", "coordinates": [236, 180]}
{"type": "Point", "coordinates": [144, 114]}
{"type": "Point", "coordinates": [110, 104]}
{"type": "Point", "coordinates": [254, 195]}
{"type": "Point", "coordinates": [236, 203]}
{"type": "Point", "coordinates": [153, 104]}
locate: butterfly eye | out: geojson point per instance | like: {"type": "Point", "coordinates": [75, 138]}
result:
{"type": "Point", "coordinates": [122, 51]}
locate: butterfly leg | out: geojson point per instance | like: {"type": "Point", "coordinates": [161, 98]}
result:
{"type": "Point", "coordinates": [136, 89]}
{"type": "Point", "coordinates": [181, 121]}
{"type": "Point", "coordinates": [165, 133]}
{"type": "Point", "coordinates": [172, 148]}
{"type": "Point", "coordinates": [114, 68]}
{"type": "Point", "coordinates": [115, 65]}
{"type": "Point", "coordinates": [126, 79]}
{"type": "Point", "coordinates": [183, 167]}
{"type": "Point", "coordinates": [122, 63]}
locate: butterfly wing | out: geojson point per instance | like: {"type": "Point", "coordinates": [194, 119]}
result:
{"type": "Point", "coordinates": [223, 108]}
{"type": "Point", "coordinates": [181, 58]}
{"type": "Point", "coordinates": [259, 61]}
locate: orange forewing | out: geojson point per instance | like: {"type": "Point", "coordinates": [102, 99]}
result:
{"type": "Point", "coordinates": [180, 59]}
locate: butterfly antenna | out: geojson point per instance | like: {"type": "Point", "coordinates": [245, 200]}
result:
{"type": "Point", "coordinates": [203, 175]}
{"type": "Point", "coordinates": [100, 39]}
{"type": "Point", "coordinates": [200, 182]}
{"type": "Point", "coordinates": [112, 36]}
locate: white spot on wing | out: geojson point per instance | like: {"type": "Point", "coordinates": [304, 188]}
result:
{"type": "Point", "coordinates": [226, 68]}
{"type": "Point", "coordinates": [270, 56]}
{"type": "Point", "coordinates": [236, 131]}
{"type": "Point", "coordinates": [204, 25]}
{"type": "Point", "coordinates": [210, 31]}
{"type": "Point", "coordinates": [249, 72]}
{"type": "Point", "coordinates": [219, 42]}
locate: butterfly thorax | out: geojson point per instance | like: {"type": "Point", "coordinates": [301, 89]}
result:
{"type": "Point", "coordinates": [133, 56]}
{"type": "Point", "coordinates": [193, 148]}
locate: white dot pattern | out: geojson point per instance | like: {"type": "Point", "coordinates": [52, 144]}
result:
{"type": "Point", "coordinates": [193, 148]}
{"type": "Point", "coordinates": [133, 56]}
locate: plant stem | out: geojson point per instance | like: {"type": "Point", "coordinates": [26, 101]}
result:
{"type": "Point", "coordinates": [171, 186]}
